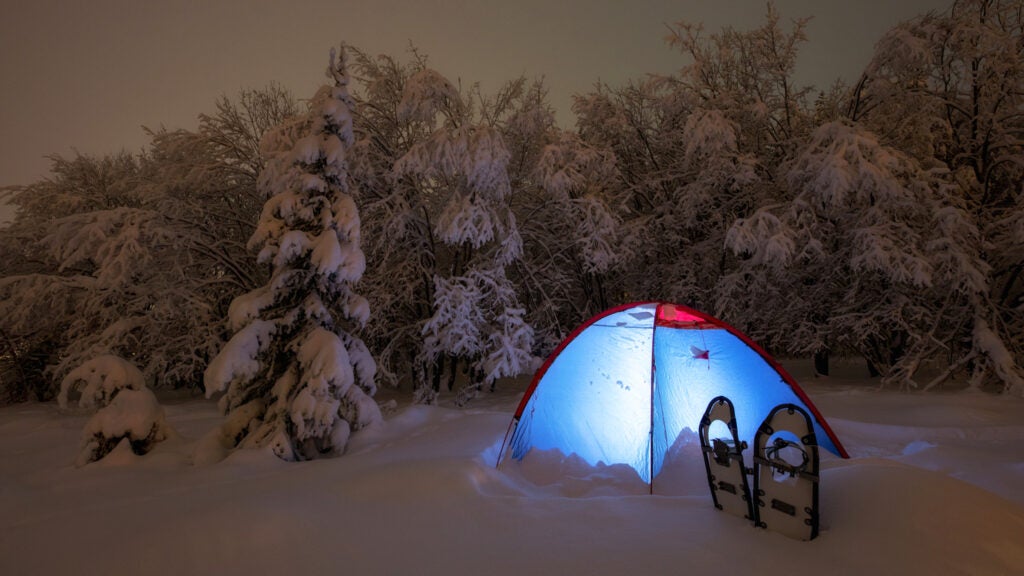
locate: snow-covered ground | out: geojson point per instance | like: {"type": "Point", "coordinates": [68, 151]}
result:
{"type": "Point", "coordinates": [935, 486]}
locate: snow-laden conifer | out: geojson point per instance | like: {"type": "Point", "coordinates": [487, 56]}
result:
{"type": "Point", "coordinates": [294, 376]}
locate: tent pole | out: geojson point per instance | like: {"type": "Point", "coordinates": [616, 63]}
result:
{"type": "Point", "coordinates": [650, 428]}
{"type": "Point", "coordinates": [501, 452]}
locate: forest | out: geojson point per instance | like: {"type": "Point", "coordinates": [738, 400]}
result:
{"type": "Point", "coordinates": [399, 230]}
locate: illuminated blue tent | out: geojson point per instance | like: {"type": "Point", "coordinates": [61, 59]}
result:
{"type": "Point", "coordinates": [621, 388]}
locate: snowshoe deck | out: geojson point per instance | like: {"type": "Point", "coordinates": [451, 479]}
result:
{"type": "Point", "coordinates": [723, 461]}
{"type": "Point", "coordinates": [786, 473]}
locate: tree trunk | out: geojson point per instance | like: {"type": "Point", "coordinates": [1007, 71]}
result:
{"type": "Point", "coordinates": [821, 363]}
{"type": "Point", "coordinates": [453, 362]}
{"type": "Point", "coordinates": [873, 370]}
{"type": "Point", "coordinates": [438, 366]}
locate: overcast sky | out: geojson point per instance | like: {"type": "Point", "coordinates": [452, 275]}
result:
{"type": "Point", "coordinates": [87, 75]}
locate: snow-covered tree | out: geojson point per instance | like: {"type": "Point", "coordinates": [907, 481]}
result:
{"type": "Point", "coordinates": [116, 280]}
{"type": "Point", "coordinates": [749, 76]}
{"type": "Point", "coordinates": [872, 255]}
{"type": "Point", "coordinates": [99, 380]}
{"type": "Point", "coordinates": [295, 378]}
{"type": "Point", "coordinates": [133, 421]}
{"type": "Point", "coordinates": [557, 184]}
{"type": "Point", "coordinates": [135, 255]}
{"type": "Point", "coordinates": [573, 235]}
{"type": "Point", "coordinates": [41, 294]}
{"type": "Point", "coordinates": [948, 88]}
{"type": "Point", "coordinates": [436, 168]}
{"type": "Point", "coordinates": [713, 182]}
{"type": "Point", "coordinates": [207, 180]}
{"type": "Point", "coordinates": [462, 169]}
{"type": "Point", "coordinates": [695, 151]}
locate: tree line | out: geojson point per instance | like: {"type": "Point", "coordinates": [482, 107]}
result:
{"type": "Point", "coordinates": [882, 219]}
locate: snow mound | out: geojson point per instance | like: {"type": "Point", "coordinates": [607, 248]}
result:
{"type": "Point", "coordinates": [555, 474]}
{"type": "Point", "coordinates": [103, 377]}
{"type": "Point", "coordinates": [133, 417]}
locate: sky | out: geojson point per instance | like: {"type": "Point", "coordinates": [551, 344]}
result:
{"type": "Point", "coordinates": [87, 76]}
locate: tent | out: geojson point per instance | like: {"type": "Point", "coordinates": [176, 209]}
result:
{"type": "Point", "coordinates": [621, 388]}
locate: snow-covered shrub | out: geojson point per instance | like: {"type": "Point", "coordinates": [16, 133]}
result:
{"type": "Point", "coordinates": [99, 381]}
{"type": "Point", "coordinates": [133, 416]}
{"type": "Point", "coordinates": [127, 410]}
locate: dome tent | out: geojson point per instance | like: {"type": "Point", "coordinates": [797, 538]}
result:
{"type": "Point", "coordinates": [623, 385]}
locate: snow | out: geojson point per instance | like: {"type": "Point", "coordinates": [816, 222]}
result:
{"type": "Point", "coordinates": [746, 234]}
{"type": "Point", "coordinates": [345, 261]}
{"type": "Point", "coordinates": [1001, 358]}
{"type": "Point", "coordinates": [239, 359]}
{"type": "Point", "coordinates": [346, 217]}
{"type": "Point", "coordinates": [132, 413]}
{"type": "Point", "coordinates": [455, 325]}
{"type": "Point", "coordinates": [935, 486]}
{"type": "Point", "coordinates": [709, 135]}
{"type": "Point", "coordinates": [358, 309]}
{"type": "Point", "coordinates": [133, 419]}
{"type": "Point", "coordinates": [465, 220]}
{"type": "Point", "coordinates": [426, 93]}
{"type": "Point", "coordinates": [325, 362]}
{"type": "Point", "coordinates": [104, 376]}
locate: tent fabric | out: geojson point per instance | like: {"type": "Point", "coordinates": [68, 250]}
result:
{"type": "Point", "coordinates": [623, 386]}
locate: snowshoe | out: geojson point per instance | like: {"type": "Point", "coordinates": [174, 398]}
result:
{"type": "Point", "coordinates": [723, 459]}
{"type": "Point", "coordinates": [786, 473]}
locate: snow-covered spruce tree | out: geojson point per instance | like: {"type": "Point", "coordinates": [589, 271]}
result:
{"type": "Point", "coordinates": [295, 377]}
